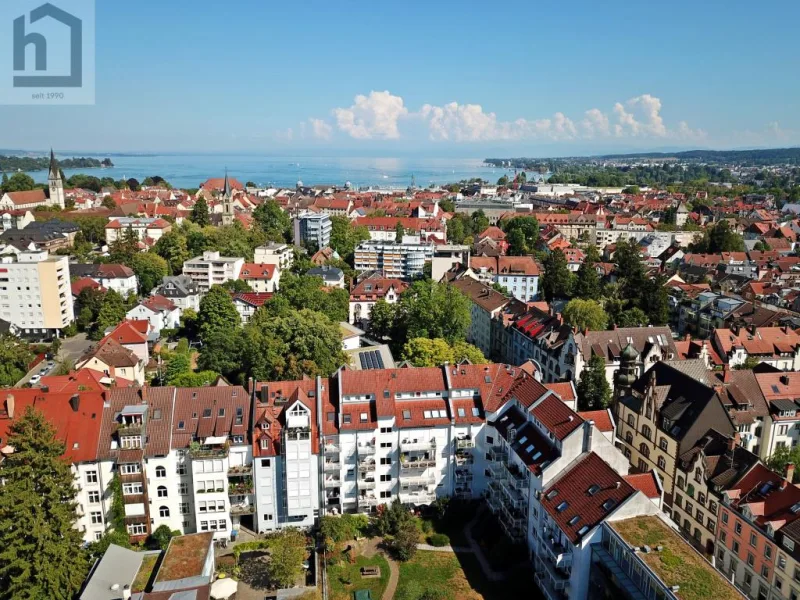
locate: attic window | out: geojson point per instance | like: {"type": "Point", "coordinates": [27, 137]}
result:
{"type": "Point", "coordinates": [427, 414]}
{"type": "Point", "coordinates": [529, 449]}
{"type": "Point", "coordinates": [386, 393]}
{"type": "Point", "coordinates": [364, 417]}
{"type": "Point", "coordinates": [523, 439]}
{"type": "Point", "coordinates": [194, 394]}
{"type": "Point", "coordinates": [462, 412]}
{"type": "Point", "coordinates": [234, 393]}
{"type": "Point", "coordinates": [476, 412]}
{"type": "Point", "coordinates": [264, 425]}
{"type": "Point", "coordinates": [609, 504]}
{"type": "Point", "coordinates": [207, 413]}
{"type": "Point", "coordinates": [574, 520]}
{"type": "Point", "coordinates": [583, 530]}
{"type": "Point", "coordinates": [346, 419]}
{"type": "Point", "coordinates": [194, 415]}
{"type": "Point", "coordinates": [331, 416]}
{"type": "Point", "coordinates": [593, 489]}
{"type": "Point", "coordinates": [487, 379]}
{"type": "Point", "coordinates": [181, 424]}
{"type": "Point", "coordinates": [221, 412]}
{"type": "Point", "coordinates": [157, 414]}
{"type": "Point", "coordinates": [551, 494]}
{"type": "Point", "coordinates": [563, 506]}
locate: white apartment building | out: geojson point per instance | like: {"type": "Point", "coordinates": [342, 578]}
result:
{"type": "Point", "coordinates": [403, 261]}
{"type": "Point", "coordinates": [35, 293]}
{"type": "Point", "coordinates": [312, 228]}
{"type": "Point", "coordinates": [280, 255]}
{"type": "Point", "coordinates": [146, 228]}
{"type": "Point", "coordinates": [212, 269]}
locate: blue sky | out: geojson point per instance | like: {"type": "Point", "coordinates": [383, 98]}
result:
{"type": "Point", "coordinates": [430, 78]}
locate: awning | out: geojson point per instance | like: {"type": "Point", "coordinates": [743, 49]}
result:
{"type": "Point", "coordinates": [223, 588]}
{"type": "Point", "coordinates": [215, 440]}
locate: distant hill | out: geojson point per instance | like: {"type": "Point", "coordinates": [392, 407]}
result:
{"type": "Point", "coordinates": [42, 163]}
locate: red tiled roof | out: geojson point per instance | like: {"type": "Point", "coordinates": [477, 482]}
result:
{"type": "Point", "coordinates": [83, 283]}
{"type": "Point", "coordinates": [570, 504]}
{"type": "Point", "coordinates": [564, 389]}
{"type": "Point", "coordinates": [257, 271]}
{"type": "Point", "coordinates": [645, 483]}
{"type": "Point", "coordinates": [253, 298]}
{"type": "Point", "coordinates": [602, 419]}
{"type": "Point", "coordinates": [556, 416]}
{"type": "Point", "coordinates": [78, 429]}
{"type": "Point", "coordinates": [127, 333]}
{"type": "Point", "coordinates": [29, 197]}
{"type": "Point", "coordinates": [158, 303]}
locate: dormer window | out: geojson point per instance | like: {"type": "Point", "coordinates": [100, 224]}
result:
{"type": "Point", "coordinates": [264, 443]}
{"type": "Point", "coordinates": [264, 425]}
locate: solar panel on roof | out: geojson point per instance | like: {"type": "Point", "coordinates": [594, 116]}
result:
{"type": "Point", "coordinates": [362, 358]}
{"type": "Point", "coordinates": [379, 359]}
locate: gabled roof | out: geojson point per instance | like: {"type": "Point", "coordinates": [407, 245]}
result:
{"type": "Point", "coordinates": [257, 271]}
{"type": "Point", "coordinates": [584, 495]}
{"type": "Point", "coordinates": [110, 352]}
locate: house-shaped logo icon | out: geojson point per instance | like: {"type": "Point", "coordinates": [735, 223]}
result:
{"type": "Point", "coordinates": [39, 42]}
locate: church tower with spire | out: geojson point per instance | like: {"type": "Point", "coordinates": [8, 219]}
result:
{"type": "Point", "coordinates": [627, 373]}
{"type": "Point", "coordinates": [227, 202]}
{"type": "Point", "coordinates": [55, 182]}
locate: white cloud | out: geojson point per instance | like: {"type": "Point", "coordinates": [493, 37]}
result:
{"type": "Point", "coordinates": [320, 129]}
{"type": "Point", "coordinates": [373, 116]}
{"type": "Point", "coordinates": [378, 116]}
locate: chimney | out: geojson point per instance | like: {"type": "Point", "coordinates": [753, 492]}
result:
{"type": "Point", "coordinates": [10, 405]}
{"type": "Point", "coordinates": [789, 472]}
{"type": "Point", "coordinates": [75, 402]}
{"type": "Point", "coordinates": [726, 373]}
{"type": "Point", "coordinates": [785, 379]}
{"type": "Point", "coordinates": [732, 441]}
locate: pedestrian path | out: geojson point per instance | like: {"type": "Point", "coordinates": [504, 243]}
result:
{"type": "Point", "coordinates": [369, 550]}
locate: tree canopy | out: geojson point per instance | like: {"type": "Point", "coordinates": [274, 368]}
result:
{"type": "Point", "coordinates": [585, 314]}
{"type": "Point", "coordinates": [593, 389]}
{"type": "Point", "coordinates": [557, 280]}
{"type": "Point", "coordinates": [425, 352]}
{"type": "Point", "coordinates": [15, 356]}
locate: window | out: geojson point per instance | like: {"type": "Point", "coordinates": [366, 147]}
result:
{"type": "Point", "coordinates": [183, 508]}
{"type": "Point", "coordinates": [753, 540]}
{"type": "Point", "coordinates": [751, 560]}
{"type": "Point", "coordinates": [701, 498]}
{"type": "Point", "coordinates": [680, 482]}
{"type": "Point", "coordinates": [631, 421]}
{"type": "Point", "coordinates": [386, 461]}
{"type": "Point", "coordinates": [161, 472]}
{"type": "Point", "coordinates": [788, 544]}
{"type": "Point", "coordinates": [712, 506]}
{"type": "Point", "coordinates": [386, 444]}
{"type": "Point", "coordinates": [137, 529]}
{"type": "Point", "coordinates": [94, 497]}
{"type": "Point", "coordinates": [678, 500]}
{"type": "Point", "coordinates": [738, 527]}
{"type": "Point", "coordinates": [268, 517]}
{"type": "Point", "coordinates": [163, 512]}
{"type": "Point", "coordinates": [129, 469]}
{"type": "Point", "coordinates": [162, 491]}
{"type": "Point", "coordinates": [698, 475]}
{"type": "Point", "coordinates": [735, 546]}
{"type": "Point", "coordinates": [181, 470]}
{"type": "Point", "coordinates": [129, 489]}
{"type": "Point", "coordinates": [646, 432]}
{"type": "Point", "coordinates": [724, 517]}
{"type": "Point", "coordinates": [489, 440]}
{"type": "Point", "coordinates": [91, 476]}
{"type": "Point", "coordinates": [386, 430]}
{"type": "Point", "coordinates": [265, 462]}
{"type": "Point", "coordinates": [97, 518]}
{"type": "Point", "coordinates": [765, 571]}
{"type": "Point", "coordinates": [710, 525]}
{"type": "Point", "coordinates": [781, 561]}
{"type": "Point", "coordinates": [723, 537]}
{"type": "Point", "coordinates": [386, 477]}
{"type": "Point", "coordinates": [183, 489]}
{"type": "Point", "coordinates": [644, 450]}
{"type": "Point", "coordinates": [663, 444]}
{"type": "Point", "coordinates": [767, 552]}
{"type": "Point", "coordinates": [662, 464]}
{"type": "Point", "coordinates": [386, 494]}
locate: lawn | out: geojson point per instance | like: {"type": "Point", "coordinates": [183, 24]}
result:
{"type": "Point", "coordinates": [457, 577]}
{"type": "Point", "coordinates": [344, 578]}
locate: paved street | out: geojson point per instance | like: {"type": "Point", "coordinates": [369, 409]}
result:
{"type": "Point", "coordinates": [71, 350]}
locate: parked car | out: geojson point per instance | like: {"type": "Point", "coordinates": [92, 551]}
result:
{"type": "Point", "coordinates": [35, 379]}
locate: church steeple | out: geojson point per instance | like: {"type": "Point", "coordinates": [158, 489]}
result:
{"type": "Point", "coordinates": [55, 183]}
{"type": "Point", "coordinates": [626, 375]}
{"type": "Point", "coordinates": [227, 201]}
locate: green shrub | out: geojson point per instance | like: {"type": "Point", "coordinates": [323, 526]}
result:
{"type": "Point", "coordinates": [427, 526]}
{"type": "Point", "coordinates": [439, 540]}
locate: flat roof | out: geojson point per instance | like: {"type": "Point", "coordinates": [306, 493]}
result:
{"type": "Point", "coordinates": [677, 564]}
{"type": "Point", "coordinates": [185, 557]}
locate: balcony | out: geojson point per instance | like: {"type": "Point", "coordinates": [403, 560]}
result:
{"type": "Point", "coordinates": [549, 592]}
{"type": "Point", "coordinates": [333, 480]}
{"type": "Point", "coordinates": [410, 464]}
{"type": "Point", "coordinates": [559, 555]}
{"type": "Point", "coordinates": [497, 454]}
{"type": "Point", "coordinates": [417, 497]}
{"type": "Point", "coordinates": [244, 488]}
{"type": "Point", "coordinates": [463, 492]}
{"type": "Point", "coordinates": [558, 579]}
{"type": "Point", "coordinates": [240, 471]}
{"type": "Point", "coordinates": [414, 445]}
{"type": "Point", "coordinates": [332, 465]}
{"type": "Point", "coordinates": [464, 443]}
{"type": "Point", "coordinates": [417, 478]}
{"type": "Point", "coordinates": [464, 459]}
{"type": "Point", "coordinates": [331, 448]}
{"type": "Point", "coordinates": [201, 451]}
{"type": "Point", "coordinates": [242, 509]}
{"type": "Point", "coordinates": [366, 466]}
{"type": "Point", "coordinates": [366, 484]}
{"type": "Point", "coordinates": [463, 476]}
{"type": "Point", "coordinates": [498, 471]}
{"type": "Point", "coordinates": [368, 501]}
{"type": "Point", "coordinates": [333, 497]}
{"type": "Point", "coordinates": [366, 449]}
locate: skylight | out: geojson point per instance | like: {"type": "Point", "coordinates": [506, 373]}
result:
{"type": "Point", "coordinates": [574, 520]}
{"type": "Point", "coordinates": [529, 449]}
{"type": "Point", "coordinates": [462, 412]}
{"type": "Point", "coordinates": [609, 504]}
{"type": "Point", "coordinates": [583, 530]}
{"type": "Point", "coordinates": [551, 494]}
{"type": "Point", "coordinates": [523, 439]}
{"type": "Point", "coordinates": [563, 506]}
{"type": "Point", "coordinates": [593, 489]}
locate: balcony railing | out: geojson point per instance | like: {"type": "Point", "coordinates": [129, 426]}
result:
{"type": "Point", "coordinates": [423, 463]}
{"type": "Point", "coordinates": [558, 579]}
{"type": "Point", "coordinates": [417, 478]}
{"type": "Point", "coordinates": [332, 480]}
{"type": "Point", "coordinates": [464, 459]}
{"type": "Point", "coordinates": [240, 471]}
{"type": "Point", "coordinates": [559, 555]}
{"type": "Point", "coordinates": [242, 509]}
{"type": "Point", "coordinates": [464, 443]}
{"type": "Point", "coordinates": [366, 449]}
{"type": "Point", "coordinates": [208, 451]}
{"type": "Point", "coordinates": [368, 500]}
{"type": "Point", "coordinates": [366, 484]}
{"type": "Point", "coordinates": [413, 445]}
{"type": "Point", "coordinates": [366, 466]}
{"type": "Point", "coordinates": [332, 465]}
{"type": "Point", "coordinates": [332, 448]}
{"type": "Point", "coordinates": [417, 497]}
{"type": "Point", "coordinates": [550, 593]}
{"type": "Point", "coordinates": [497, 454]}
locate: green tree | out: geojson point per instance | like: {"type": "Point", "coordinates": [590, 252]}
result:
{"type": "Point", "coordinates": [557, 280]}
{"type": "Point", "coordinates": [435, 310]}
{"type": "Point", "coordinates": [399, 231]}
{"type": "Point", "coordinates": [630, 268]}
{"type": "Point", "coordinates": [19, 182]}
{"type": "Point", "coordinates": [523, 235]}
{"type": "Point", "coordinates": [200, 215]}
{"type": "Point", "coordinates": [111, 313]}
{"type": "Point", "coordinates": [719, 238]}
{"type": "Point", "coordinates": [292, 345]}
{"type": "Point", "coordinates": [594, 393]}
{"type": "Point", "coordinates": [150, 270]}
{"type": "Point", "coordinates": [425, 352]}
{"type": "Point", "coordinates": [633, 317]}
{"type": "Point", "coordinates": [273, 221]}
{"type": "Point", "coordinates": [15, 356]}
{"type": "Point", "coordinates": [750, 363]}
{"type": "Point", "coordinates": [456, 231]}
{"type": "Point", "coordinates": [585, 314]}
{"type": "Point", "coordinates": [305, 291]}
{"type": "Point", "coordinates": [178, 365]}
{"type": "Point", "coordinates": [404, 543]}
{"type": "Point", "coordinates": [383, 319]}
{"type": "Point", "coordinates": [222, 353]}
{"type": "Point", "coordinates": [654, 300]}
{"type": "Point", "coordinates": [40, 547]}
{"type": "Point", "coordinates": [782, 456]}
{"type": "Point", "coordinates": [159, 539]}
{"type": "Point", "coordinates": [172, 247]}
{"type": "Point", "coordinates": [195, 379]}
{"type": "Point", "coordinates": [587, 281]}
{"type": "Point", "coordinates": [124, 248]}
{"type": "Point", "coordinates": [237, 286]}
{"type": "Point", "coordinates": [392, 517]}
{"type": "Point", "coordinates": [479, 221]}
{"type": "Point", "coordinates": [217, 313]}
{"type": "Point", "coordinates": [287, 551]}
{"type": "Point", "coordinates": [345, 237]}
{"type": "Point", "coordinates": [108, 202]}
